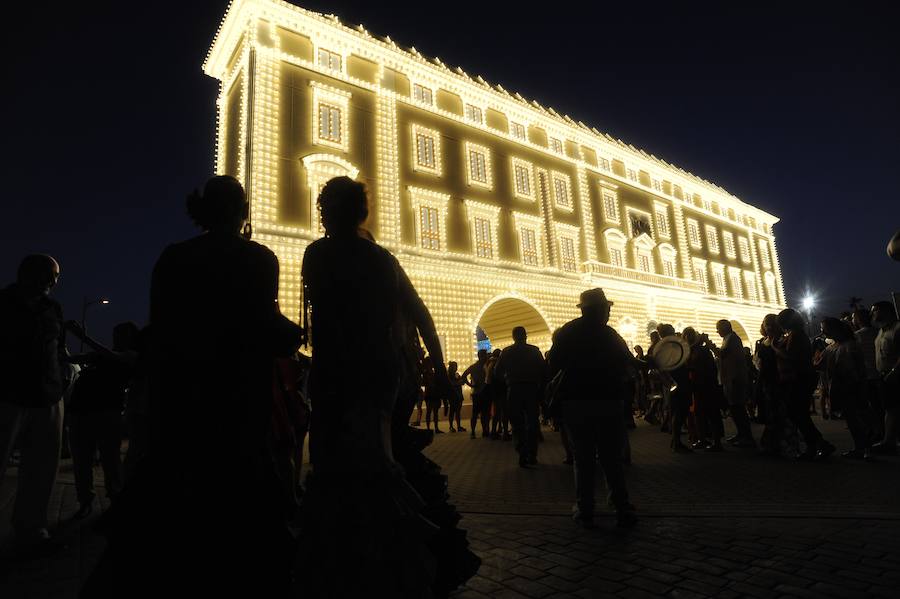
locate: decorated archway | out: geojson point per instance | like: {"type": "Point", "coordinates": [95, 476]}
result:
{"type": "Point", "coordinates": [501, 314]}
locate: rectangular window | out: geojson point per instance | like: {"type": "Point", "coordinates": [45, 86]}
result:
{"type": "Point", "coordinates": [425, 150]}
{"type": "Point", "coordinates": [529, 246]}
{"type": "Point", "coordinates": [329, 60]}
{"type": "Point", "coordinates": [429, 227]}
{"type": "Point", "coordinates": [329, 123]}
{"type": "Point", "coordinates": [729, 244]}
{"type": "Point", "coordinates": [604, 164]}
{"type": "Point", "coordinates": [657, 185]}
{"type": "Point", "coordinates": [731, 215]}
{"type": "Point", "coordinates": [764, 254]}
{"type": "Point", "coordinates": [745, 249]}
{"type": "Point", "coordinates": [669, 268]}
{"type": "Point", "coordinates": [567, 253]}
{"type": "Point", "coordinates": [517, 130]}
{"type": "Point", "coordinates": [562, 192]}
{"type": "Point", "coordinates": [700, 275]}
{"type": "Point", "coordinates": [474, 114]}
{"type": "Point", "coordinates": [693, 233]}
{"type": "Point", "coordinates": [610, 207]}
{"type": "Point", "coordinates": [483, 246]}
{"type": "Point", "coordinates": [632, 174]}
{"type": "Point", "coordinates": [478, 166]}
{"type": "Point", "coordinates": [523, 180]}
{"type": "Point", "coordinates": [644, 262]}
{"type": "Point", "coordinates": [422, 94]}
{"type": "Point", "coordinates": [720, 282]}
{"type": "Point", "coordinates": [712, 239]}
{"type": "Point", "coordinates": [751, 288]}
{"type": "Point", "coordinates": [616, 257]}
{"type": "Point", "coordinates": [662, 223]}
{"type": "Point", "coordinates": [556, 145]}
{"type": "Point", "coordinates": [736, 289]}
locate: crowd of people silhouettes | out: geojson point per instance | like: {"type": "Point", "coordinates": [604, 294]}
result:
{"type": "Point", "coordinates": [217, 403]}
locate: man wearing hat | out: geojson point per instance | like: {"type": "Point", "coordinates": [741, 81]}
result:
{"type": "Point", "coordinates": [594, 360]}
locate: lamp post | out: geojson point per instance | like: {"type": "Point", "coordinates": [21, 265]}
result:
{"type": "Point", "coordinates": [84, 307]}
{"type": "Point", "coordinates": [808, 303]}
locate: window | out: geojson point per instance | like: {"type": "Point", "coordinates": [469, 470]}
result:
{"type": "Point", "coordinates": [617, 257]}
{"type": "Point", "coordinates": [750, 282]}
{"type": "Point", "coordinates": [474, 114]}
{"type": "Point", "coordinates": [715, 208]}
{"type": "Point", "coordinates": [556, 145]}
{"type": "Point", "coordinates": [610, 207]}
{"type": "Point", "coordinates": [700, 274]}
{"type": "Point", "coordinates": [736, 288]}
{"type": "Point", "coordinates": [712, 239]}
{"type": "Point", "coordinates": [719, 279]}
{"type": "Point", "coordinates": [426, 150]}
{"type": "Point", "coordinates": [744, 245]}
{"type": "Point", "coordinates": [484, 248]}
{"type": "Point", "coordinates": [561, 192]}
{"type": "Point", "coordinates": [517, 130]}
{"type": "Point", "coordinates": [662, 221]}
{"type": "Point", "coordinates": [422, 94]}
{"type": "Point", "coordinates": [529, 246]}
{"type": "Point", "coordinates": [731, 214]}
{"type": "Point", "coordinates": [483, 219]}
{"type": "Point", "coordinates": [430, 232]}
{"type": "Point", "coordinates": [329, 60]}
{"type": "Point", "coordinates": [707, 205]}
{"type": "Point", "coordinates": [478, 165]}
{"type": "Point", "coordinates": [729, 244]}
{"type": "Point", "coordinates": [522, 173]}
{"type": "Point", "coordinates": [643, 262]}
{"type": "Point", "coordinates": [668, 267]}
{"type": "Point", "coordinates": [632, 174]}
{"type": "Point", "coordinates": [640, 223]}
{"type": "Point", "coordinates": [330, 107]}
{"type": "Point", "coordinates": [329, 123]}
{"type": "Point", "coordinates": [430, 208]}
{"type": "Point", "coordinates": [604, 164]}
{"type": "Point", "coordinates": [657, 185]}
{"type": "Point", "coordinates": [764, 254]}
{"type": "Point", "coordinates": [693, 233]}
{"type": "Point", "coordinates": [567, 254]}
{"type": "Point", "coordinates": [771, 290]}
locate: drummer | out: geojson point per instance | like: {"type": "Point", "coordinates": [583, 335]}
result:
{"type": "Point", "coordinates": [674, 351]}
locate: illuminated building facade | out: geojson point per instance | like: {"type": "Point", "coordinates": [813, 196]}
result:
{"type": "Point", "coordinates": [501, 210]}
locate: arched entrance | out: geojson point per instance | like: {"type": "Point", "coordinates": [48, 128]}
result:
{"type": "Point", "coordinates": [499, 316]}
{"type": "Point", "coordinates": [740, 331]}
{"type": "Point", "coordinates": [320, 168]}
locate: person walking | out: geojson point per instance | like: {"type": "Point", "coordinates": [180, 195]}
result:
{"type": "Point", "coordinates": [734, 377]}
{"type": "Point", "coordinates": [520, 368]}
{"type": "Point", "coordinates": [593, 359]}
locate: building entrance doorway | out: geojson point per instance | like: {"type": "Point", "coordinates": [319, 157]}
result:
{"type": "Point", "coordinates": [501, 315]}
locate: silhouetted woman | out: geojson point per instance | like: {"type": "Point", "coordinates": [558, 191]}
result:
{"type": "Point", "coordinates": [362, 534]}
{"type": "Point", "coordinates": [203, 514]}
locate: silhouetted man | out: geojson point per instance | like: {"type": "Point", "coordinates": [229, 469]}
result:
{"type": "Point", "coordinates": [522, 367]}
{"type": "Point", "coordinates": [475, 376]}
{"type": "Point", "coordinates": [593, 358]}
{"type": "Point", "coordinates": [734, 376]}
{"type": "Point", "coordinates": [32, 386]}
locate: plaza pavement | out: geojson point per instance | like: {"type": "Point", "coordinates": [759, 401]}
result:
{"type": "Point", "coordinates": [712, 525]}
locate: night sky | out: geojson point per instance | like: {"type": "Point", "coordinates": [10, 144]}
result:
{"type": "Point", "coordinates": [109, 121]}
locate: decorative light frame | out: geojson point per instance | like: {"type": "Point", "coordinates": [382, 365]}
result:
{"type": "Point", "coordinates": [415, 131]}
{"type": "Point", "coordinates": [712, 239]}
{"type": "Point", "coordinates": [572, 232]}
{"type": "Point", "coordinates": [536, 224]}
{"type": "Point", "coordinates": [661, 214]}
{"type": "Point", "coordinates": [567, 182]}
{"type": "Point", "coordinates": [468, 148]}
{"type": "Point", "coordinates": [420, 197]}
{"type": "Point", "coordinates": [489, 213]}
{"type": "Point", "coordinates": [332, 96]}
{"type": "Point", "coordinates": [529, 169]}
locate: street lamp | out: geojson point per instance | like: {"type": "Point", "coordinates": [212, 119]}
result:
{"type": "Point", "coordinates": [808, 303]}
{"type": "Point", "coordinates": [84, 306]}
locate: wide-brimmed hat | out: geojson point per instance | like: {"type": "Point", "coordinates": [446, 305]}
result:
{"type": "Point", "coordinates": [593, 297]}
{"type": "Point", "coordinates": [670, 353]}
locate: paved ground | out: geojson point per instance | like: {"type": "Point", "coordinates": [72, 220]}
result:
{"type": "Point", "coordinates": [712, 525]}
